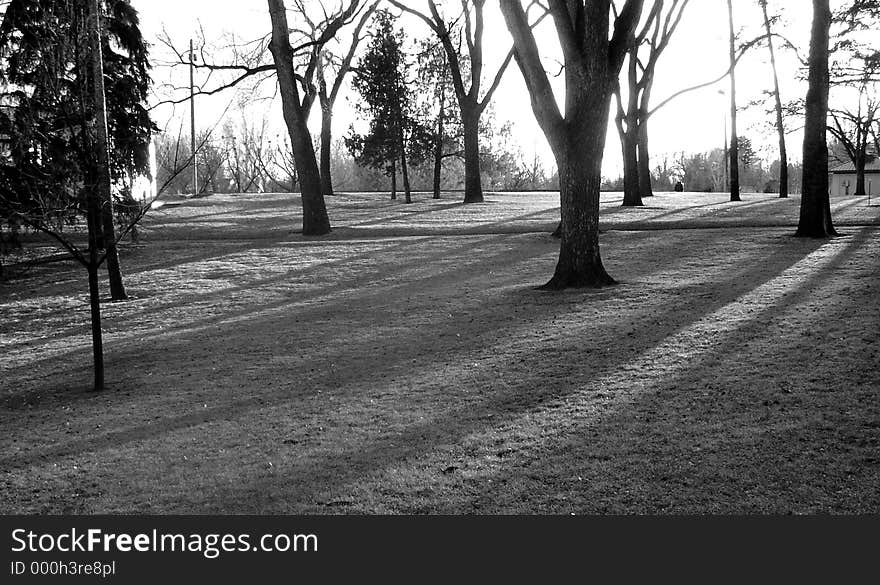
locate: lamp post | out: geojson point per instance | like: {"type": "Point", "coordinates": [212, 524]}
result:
{"type": "Point", "coordinates": [192, 120]}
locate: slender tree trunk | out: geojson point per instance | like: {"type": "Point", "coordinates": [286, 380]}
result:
{"type": "Point", "coordinates": [393, 181]}
{"type": "Point", "coordinates": [780, 125]}
{"type": "Point", "coordinates": [473, 187]}
{"type": "Point", "coordinates": [646, 187]}
{"type": "Point", "coordinates": [326, 148]}
{"type": "Point", "coordinates": [102, 145]}
{"type": "Point", "coordinates": [93, 221]}
{"type": "Point", "coordinates": [734, 138]}
{"type": "Point", "coordinates": [404, 170]}
{"type": "Point", "coordinates": [815, 212]}
{"type": "Point", "coordinates": [97, 341]}
{"type": "Point", "coordinates": [628, 126]}
{"type": "Point", "coordinates": [438, 147]}
{"type": "Point", "coordinates": [316, 222]}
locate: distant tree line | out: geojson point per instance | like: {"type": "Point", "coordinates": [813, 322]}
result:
{"type": "Point", "coordinates": [704, 172]}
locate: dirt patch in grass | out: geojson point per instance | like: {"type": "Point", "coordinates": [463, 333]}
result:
{"type": "Point", "coordinates": [407, 364]}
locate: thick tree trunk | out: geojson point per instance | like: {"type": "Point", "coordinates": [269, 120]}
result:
{"type": "Point", "coordinates": [579, 158]}
{"type": "Point", "coordinates": [646, 189]}
{"type": "Point", "coordinates": [473, 187]}
{"type": "Point", "coordinates": [102, 147]}
{"type": "Point", "coordinates": [815, 212]}
{"type": "Point", "coordinates": [326, 148]}
{"type": "Point", "coordinates": [579, 264]}
{"type": "Point", "coordinates": [780, 125]}
{"type": "Point", "coordinates": [734, 138]}
{"type": "Point", "coordinates": [316, 222]}
{"type": "Point", "coordinates": [577, 137]}
{"type": "Point", "coordinates": [629, 146]}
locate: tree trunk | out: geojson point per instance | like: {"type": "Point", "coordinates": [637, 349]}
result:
{"type": "Point", "coordinates": [629, 145]}
{"type": "Point", "coordinates": [102, 145]}
{"type": "Point", "coordinates": [734, 138]}
{"type": "Point", "coordinates": [815, 212]}
{"type": "Point", "coordinates": [438, 147]}
{"type": "Point", "coordinates": [473, 187]}
{"type": "Point", "coordinates": [861, 161]}
{"type": "Point", "coordinates": [93, 222]}
{"type": "Point", "coordinates": [393, 181]}
{"type": "Point", "coordinates": [579, 264]}
{"type": "Point", "coordinates": [628, 126]}
{"type": "Point", "coordinates": [404, 170]}
{"type": "Point", "coordinates": [577, 137]}
{"type": "Point", "coordinates": [646, 189]}
{"type": "Point", "coordinates": [780, 126]}
{"type": "Point", "coordinates": [326, 148]}
{"type": "Point", "coordinates": [97, 341]}
{"type": "Point", "coordinates": [578, 151]}
{"type": "Point", "coordinates": [316, 222]}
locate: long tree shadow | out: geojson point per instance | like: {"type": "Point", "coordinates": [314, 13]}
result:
{"type": "Point", "coordinates": [588, 456]}
{"type": "Point", "coordinates": [346, 466]}
{"type": "Point", "coordinates": [306, 483]}
{"type": "Point", "coordinates": [395, 277]}
{"type": "Point", "coordinates": [718, 436]}
{"type": "Point", "coordinates": [389, 265]}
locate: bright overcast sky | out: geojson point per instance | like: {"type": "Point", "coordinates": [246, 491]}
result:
{"type": "Point", "coordinates": [698, 53]}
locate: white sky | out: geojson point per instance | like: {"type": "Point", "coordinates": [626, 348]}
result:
{"type": "Point", "coordinates": [698, 53]}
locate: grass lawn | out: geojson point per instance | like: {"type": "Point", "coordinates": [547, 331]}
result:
{"type": "Point", "coordinates": [406, 363]}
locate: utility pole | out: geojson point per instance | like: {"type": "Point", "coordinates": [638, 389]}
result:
{"type": "Point", "coordinates": [192, 119]}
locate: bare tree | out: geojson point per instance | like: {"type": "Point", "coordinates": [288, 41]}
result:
{"type": "Point", "coordinates": [295, 66]}
{"type": "Point", "coordinates": [733, 162]}
{"type": "Point", "coordinates": [646, 47]}
{"type": "Point", "coordinates": [780, 123]}
{"type": "Point", "coordinates": [331, 72]}
{"type": "Point", "coordinates": [439, 106]}
{"type": "Point", "coordinates": [815, 211]}
{"type": "Point", "coordinates": [854, 126]}
{"type": "Point", "coordinates": [577, 137]}
{"type": "Point", "coordinates": [467, 71]}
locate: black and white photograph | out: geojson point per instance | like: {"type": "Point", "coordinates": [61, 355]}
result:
{"type": "Point", "coordinates": [298, 258]}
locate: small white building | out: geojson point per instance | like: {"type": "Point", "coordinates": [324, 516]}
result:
{"type": "Point", "coordinates": [842, 179]}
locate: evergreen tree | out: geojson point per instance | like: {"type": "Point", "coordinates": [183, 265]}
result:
{"type": "Point", "coordinates": [45, 91]}
{"type": "Point", "coordinates": [394, 135]}
{"type": "Point", "coordinates": [72, 86]}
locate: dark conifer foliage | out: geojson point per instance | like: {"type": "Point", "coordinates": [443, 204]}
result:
{"type": "Point", "coordinates": [395, 138]}
{"type": "Point", "coordinates": [46, 106]}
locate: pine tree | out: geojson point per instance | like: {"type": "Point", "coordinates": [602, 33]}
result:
{"type": "Point", "coordinates": [395, 135]}
{"type": "Point", "coordinates": [46, 90]}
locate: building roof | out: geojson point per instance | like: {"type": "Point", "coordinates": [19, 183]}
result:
{"type": "Point", "coordinates": [872, 166]}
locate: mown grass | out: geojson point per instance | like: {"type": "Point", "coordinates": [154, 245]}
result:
{"type": "Point", "coordinates": [407, 364]}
